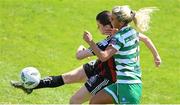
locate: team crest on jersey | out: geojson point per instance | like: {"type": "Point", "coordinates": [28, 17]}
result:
{"type": "Point", "coordinates": [113, 42]}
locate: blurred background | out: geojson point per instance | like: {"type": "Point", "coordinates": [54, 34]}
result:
{"type": "Point", "coordinates": [46, 33]}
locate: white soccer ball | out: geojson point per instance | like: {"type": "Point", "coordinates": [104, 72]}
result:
{"type": "Point", "coordinates": [30, 77]}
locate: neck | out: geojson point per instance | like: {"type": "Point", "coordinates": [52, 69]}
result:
{"type": "Point", "coordinates": [122, 25]}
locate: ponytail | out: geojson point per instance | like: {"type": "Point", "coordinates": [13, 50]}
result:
{"type": "Point", "coordinates": [141, 18]}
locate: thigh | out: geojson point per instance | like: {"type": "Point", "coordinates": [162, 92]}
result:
{"type": "Point", "coordinates": [81, 96]}
{"type": "Point", "coordinates": [106, 96]}
{"type": "Point", "coordinates": [91, 68]}
{"type": "Point", "coordinates": [101, 98]}
{"type": "Point", "coordinates": [96, 83]}
{"type": "Point", "coordinates": [76, 75]}
{"type": "Point", "coordinates": [129, 93]}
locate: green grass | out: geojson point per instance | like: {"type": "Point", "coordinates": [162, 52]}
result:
{"type": "Point", "coordinates": [46, 33]}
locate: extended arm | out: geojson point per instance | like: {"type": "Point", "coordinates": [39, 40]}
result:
{"type": "Point", "coordinates": [102, 55]}
{"type": "Point", "coordinates": [150, 45]}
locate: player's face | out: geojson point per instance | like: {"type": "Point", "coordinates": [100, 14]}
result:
{"type": "Point", "coordinates": [102, 28]}
{"type": "Point", "coordinates": [115, 23]}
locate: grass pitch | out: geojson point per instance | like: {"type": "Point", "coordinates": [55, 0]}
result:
{"type": "Point", "coordinates": [46, 33]}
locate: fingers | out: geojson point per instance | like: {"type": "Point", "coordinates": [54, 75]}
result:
{"type": "Point", "coordinates": [107, 31]}
{"type": "Point", "coordinates": [87, 36]}
{"type": "Point", "coordinates": [110, 31]}
{"type": "Point", "coordinates": [86, 32]}
{"type": "Point", "coordinates": [157, 60]}
{"type": "Point", "coordinates": [158, 63]}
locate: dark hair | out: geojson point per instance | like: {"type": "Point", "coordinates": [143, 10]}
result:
{"type": "Point", "coordinates": [104, 18]}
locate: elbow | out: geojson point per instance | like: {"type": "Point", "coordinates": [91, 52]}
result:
{"type": "Point", "coordinates": [148, 42]}
{"type": "Point", "coordinates": [78, 56]}
{"type": "Point", "coordinates": [103, 58]}
{"type": "Point", "coordinates": [146, 39]}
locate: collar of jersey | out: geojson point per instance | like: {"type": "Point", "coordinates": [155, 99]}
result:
{"type": "Point", "coordinates": [124, 28]}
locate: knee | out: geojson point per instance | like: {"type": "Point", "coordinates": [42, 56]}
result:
{"type": "Point", "coordinates": [92, 101]}
{"type": "Point", "coordinates": [66, 78]}
{"type": "Point", "coordinates": [74, 100]}
{"type": "Point", "coordinates": [72, 78]}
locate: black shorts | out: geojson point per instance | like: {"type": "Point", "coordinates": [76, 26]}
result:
{"type": "Point", "coordinates": [91, 68]}
{"type": "Point", "coordinates": [96, 83]}
{"type": "Point", "coordinates": [96, 78]}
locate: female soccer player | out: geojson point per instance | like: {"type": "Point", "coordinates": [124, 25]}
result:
{"type": "Point", "coordinates": [95, 73]}
{"type": "Point", "coordinates": [98, 74]}
{"type": "Point", "coordinates": [124, 48]}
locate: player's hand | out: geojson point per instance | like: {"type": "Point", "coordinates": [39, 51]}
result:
{"type": "Point", "coordinates": [80, 48]}
{"type": "Point", "coordinates": [87, 36]}
{"type": "Point", "coordinates": [110, 31]}
{"type": "Point", "coordinates": [157, 61]}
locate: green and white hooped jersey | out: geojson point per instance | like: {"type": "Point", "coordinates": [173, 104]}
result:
{"type": "Point", "coordinates": [126, 42]}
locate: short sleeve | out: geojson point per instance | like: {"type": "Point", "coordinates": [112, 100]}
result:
{"type": "Point", "coordinates": [116, 43]}
{"type": "Point", "coordinates": [101, 45]}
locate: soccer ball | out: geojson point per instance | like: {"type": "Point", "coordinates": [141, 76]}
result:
{"type": "Point", "coordinates": [30, 77]}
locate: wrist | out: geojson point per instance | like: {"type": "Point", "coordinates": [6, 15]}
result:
{"type": "Point", "coordinates": [156, 55]}
{"type": "Point", "coordinates": [91, 42]}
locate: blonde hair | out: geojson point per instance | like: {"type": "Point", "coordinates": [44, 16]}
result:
{"type": "Point", "coordinates": [141, 18]}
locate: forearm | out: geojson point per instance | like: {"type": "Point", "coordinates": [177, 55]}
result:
{"type": "Point", "coordinates": [83, 54]}
{"type": "Point", "coordinates": [157, 58]}
{"type": "Point", "coordinates": [102, 55]}
{"type": "Point", "coordinates": [149, 44]}
{"type": "Point", "coordinates": [152, 48]}
{"type": "Point", "coordinates": [99, 53]}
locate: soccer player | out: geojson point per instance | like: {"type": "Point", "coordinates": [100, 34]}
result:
{"type": "Point", "coordinates": [98, 74]}
{"type": "Point", "coordinates": [95, 73]}
{"type": "Point", "coordinates": [124, 48]}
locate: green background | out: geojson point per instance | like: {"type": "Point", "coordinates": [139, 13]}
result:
{"type": "Point", "coordinates": [46, 33]}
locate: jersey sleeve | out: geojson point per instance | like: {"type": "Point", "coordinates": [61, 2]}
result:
{"type": "Point", "coordinates": [101, 45]}
{"type": "Point", "coordinates": [116, 42]}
